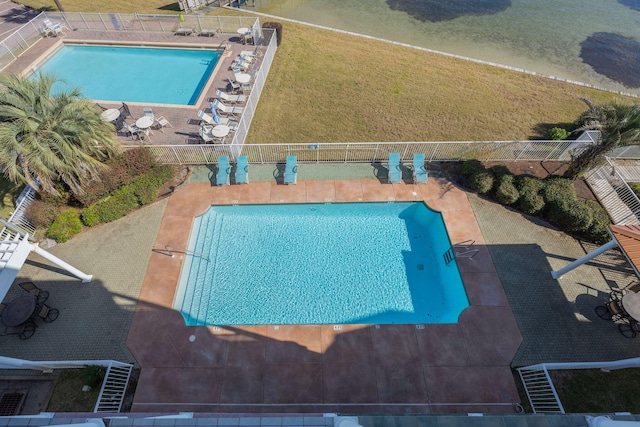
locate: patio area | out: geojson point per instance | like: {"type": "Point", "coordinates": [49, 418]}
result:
{"type": "Point", "coordinates": [185, 124]}
{"type": "Point", "coordinates": [126, 312]}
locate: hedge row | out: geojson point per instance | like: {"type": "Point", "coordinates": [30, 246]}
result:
{"type": "Point", "coordinates": [553, 198]}
{"type": "Point", "coordinates": [141, 191]}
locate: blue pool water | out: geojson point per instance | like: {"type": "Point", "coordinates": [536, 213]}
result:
{"type": "Point", "coordinates": [361, 263]}
{"type": "Point", "coordinates": [133, 74]}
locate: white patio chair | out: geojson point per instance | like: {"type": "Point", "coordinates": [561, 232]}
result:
{"type": "Point", "coordinates": [231, 98]}
{"type": "Point", "coordinates": [226, 109]}
{"type": "Point", "coordinates": [162, 122]}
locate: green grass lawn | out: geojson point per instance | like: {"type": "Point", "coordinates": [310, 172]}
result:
{"type": "Point", "coordinates": [592, 390]}
{"type": "Point", "coordinates": [68, 395]}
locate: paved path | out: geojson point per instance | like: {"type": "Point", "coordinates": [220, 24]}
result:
{"type": "Point", "coordinates": [94, 317]}
{"type": "Point", "coordinates": [556, 317]}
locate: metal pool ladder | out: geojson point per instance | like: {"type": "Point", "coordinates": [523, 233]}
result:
{"type": "Point", "coordinates": [170, 249]}
{"type": "Point", "coordinates": [469, 253]}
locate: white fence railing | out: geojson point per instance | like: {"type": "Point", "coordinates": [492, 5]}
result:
{"type": "Point", "coordinates": [18, 216]}
{"type": "Point", "coordinates": [615, 195]}
{"type": "Point", "coordinates": [14, 44]}
{"type": "Point", "coordinates": [368, 152]}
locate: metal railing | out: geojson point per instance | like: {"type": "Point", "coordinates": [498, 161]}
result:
{"type": "Point", "coordinates": [620, 201]}
{"type": "Point", "coordinates": [366, 152]}
{"type": "Point", "coordinates": [30, 33]}
{"type": "Point", "coordinates": [18, 217]}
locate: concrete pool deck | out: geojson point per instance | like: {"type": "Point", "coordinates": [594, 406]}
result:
{"type": "Point", "coordinates": [461, 368]}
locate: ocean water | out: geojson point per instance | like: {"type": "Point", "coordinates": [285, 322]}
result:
{"type": "Point", "coordinates": [591, 41]}
{"type": "Point", "coordinates": [363, 263]}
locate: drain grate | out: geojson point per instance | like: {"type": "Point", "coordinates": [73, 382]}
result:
{"type": "Point", "coordinates": [11, 402]}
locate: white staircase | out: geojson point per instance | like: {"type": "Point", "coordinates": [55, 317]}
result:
{"type": "Point", "coordinates": [114, 387]}
{"type": "Point", "coordinates": [540, 390]}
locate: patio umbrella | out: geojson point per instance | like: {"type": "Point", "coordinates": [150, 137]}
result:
{"type": "Point", "coordinates": [214, 114]}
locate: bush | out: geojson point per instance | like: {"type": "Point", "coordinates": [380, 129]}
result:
{"type": "Point", "coordinates": [499, 171]}
{"type": "Point", "coordinates": [599, 230]}
{"type": "Point", "coordinates": [93, 375]}
{"type": "Point", "coordinates": [572, 215]}
{"type": "Point", "coordinates": [505, 191]}
{"type": "Point", "coordinates": [558, 133]}
{"type": "Point", "coordinates": [471, 167]}
{"type": "Point", "coordinates": [531, 201]}
{"type": "Point", "coordinates": [90, 216]}
{"type": "Point", "coordinates": [42, 214]}
{"type": "Point", "coordinates": [118, 205]}
{"type": "Point", "coordinates": [65, 226]}
{"type": "Point", "coordinates": [481, 182]}
{"type": "Point", "coordinates": [61, 199]}
{"type": "Point", "coordinates": [146, 187]}
{"type": "Point", "coordinates": [278, 27]}
{"type": "Point", "coordinates": [556, 189]}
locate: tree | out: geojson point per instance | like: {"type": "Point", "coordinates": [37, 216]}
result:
{"type": "Point", "coordinates": [619, 125]}
{"type": "Point", "coordinates": [50, 138]}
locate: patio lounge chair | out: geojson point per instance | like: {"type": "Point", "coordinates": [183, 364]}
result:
{"type": "Point", "coordinates": [31, 288]}
{"type": "Point", "coordinates": [226, 109]}
{"type": "Point", "coordinates": [419, 171]}
{"type": "Point", "coordinates": [209, 33]}
{"type": "Point", "coordinates": [222, 178]}
{"type": "Point", "coordinates": [230, 98]}
{"type": "Point", "coordinates": [54, 29]}
{"type": "Point", "coordinates": [291, 170]}
{"type": "Point", "coordinates": [242, 170]}
{"type": "Point", "coordinates": [184, 32]}
{"type": "Point", "coordinates": [395, 173]}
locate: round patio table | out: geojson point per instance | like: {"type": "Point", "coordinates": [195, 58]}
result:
{"type": "Point", "coordinates": [144, 122]}
{"type": "Point", "coordinates": [243, 77]}
{"type": "Point", "coordinates": [220, 131]}
{"type": "Point", "coordinates": [631, 304]}
{"type": "Point", "coordinates": [18, 311]}
{"type": "Point", "coordinates": [110, 115]}
{"type": "Point", "coordinates": [242, 31]}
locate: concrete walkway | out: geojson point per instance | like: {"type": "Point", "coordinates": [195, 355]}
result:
{"type": "Point", "coordinates": [94, 317]}
{"type": "Point", "coordinates": [556, 317]}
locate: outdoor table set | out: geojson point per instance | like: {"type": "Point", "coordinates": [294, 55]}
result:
{"type": "Point", "coordinates": [19, 315]}
{"type": "Point", "coordinates": [623, 308]}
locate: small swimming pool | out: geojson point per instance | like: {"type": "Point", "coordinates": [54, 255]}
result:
{"type": "Point", "coordinates": [358, 263]}
{"type": "Point", "coordinates": [133, 74]}
{"type": "Point", "coordinates": [340, 263]}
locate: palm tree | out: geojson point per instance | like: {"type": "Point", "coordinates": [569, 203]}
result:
{"type": "Point", "coordinates": [50, 138]}
{"type": "Point", "coordinates": [619, 125]}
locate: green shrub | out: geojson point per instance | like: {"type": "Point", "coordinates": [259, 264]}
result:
{"type": "Point", "coordinates": [505, 191]}
{"type": "Point", "coordinates": [481, 182]}
{"type": "Point", "coordinates": [471, 167]}
{"type": "Point", "coordinates": [572, 215]}
{"type": "Point", "coordinates": [118, 205]}
{"type": "Point", "coordinates": [61, 199]}
{"type": "Point", "coordinates": [558, 134]}
{"type": "Point", "coordinates": [599, 230]}
{"type": "Point", "coordinates": [93, 375]}
{"type": "Point", "coordinates": [531, 201]}
{"type": "Point", "coordinates": [90, 216]}
{"type": "Point", "coordinates": [557, 189]}
{"type": "Point", "coordinates": [499, 171]}
{"type": "Point", "coordinates": [42, 214]}
{"type": "Point", "coordinates": [65, 226]}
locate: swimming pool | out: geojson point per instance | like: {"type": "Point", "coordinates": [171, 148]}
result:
{"type": "Point", "coordinates": [340, 263]}
{"type": "Point", "coordinates": [133, 74]}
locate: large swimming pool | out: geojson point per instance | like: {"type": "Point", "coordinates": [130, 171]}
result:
{"type": "Point", "coordinates": [133, 74]}
{"type": "Point", "coordinates": [340, 263]}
